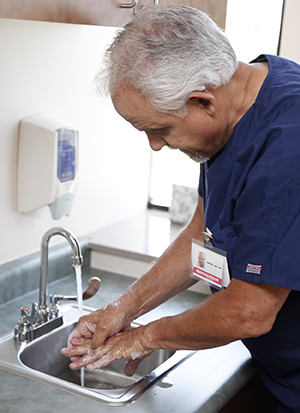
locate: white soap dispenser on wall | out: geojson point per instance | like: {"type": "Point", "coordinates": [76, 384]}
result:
{"type": "Point", "coordinates": [47, 164]}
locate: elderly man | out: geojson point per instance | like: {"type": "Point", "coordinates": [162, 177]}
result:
{"type": "Point", "coordinates": [172, 73]}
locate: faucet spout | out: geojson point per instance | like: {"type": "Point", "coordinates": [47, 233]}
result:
{"type": "Point", "coordinates": [77, 260]}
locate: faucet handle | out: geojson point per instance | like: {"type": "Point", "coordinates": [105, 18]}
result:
{"type": "Point", "coordinates": [90, 291]}
{"type": "Point", "coordinates": [30, 315]}
{"type": "Point", "coordinates": [23, 330]}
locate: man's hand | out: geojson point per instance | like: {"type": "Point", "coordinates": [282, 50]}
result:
{"type": "Point", "coordinates": [128, 344]}
{"type": "Point", "coordinates": [95, 328]}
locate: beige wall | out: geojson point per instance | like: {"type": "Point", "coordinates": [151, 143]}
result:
{"type": "Point", "coordinates": [49, 67]}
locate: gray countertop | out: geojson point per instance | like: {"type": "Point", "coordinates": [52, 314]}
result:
{"type": "Point", "coordinates": [204, 383]}
{"type": "Point", "coordinates": [143, 237]}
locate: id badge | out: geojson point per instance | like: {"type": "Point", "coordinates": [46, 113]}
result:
{"type": "Point", "coordinates": [209, 264]}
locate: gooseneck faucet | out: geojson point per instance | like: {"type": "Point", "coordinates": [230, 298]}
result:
{"type": "Point", "coordinates": [77, 260]}
{"type": "Point", "coordinates": [42, 318]}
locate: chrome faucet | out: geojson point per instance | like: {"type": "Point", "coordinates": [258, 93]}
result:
{"type": "Point", "coordinates": [77, 259]}
{"type": "Point", "coordinates": [43, 318]}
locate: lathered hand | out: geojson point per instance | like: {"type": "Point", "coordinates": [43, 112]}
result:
{"type": "Point", "coordinates": [100, 325]}
{"type": "Point", "coordinates": [128, 344]}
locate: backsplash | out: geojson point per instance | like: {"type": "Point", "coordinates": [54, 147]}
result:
{"type": "Point", "coordinates": [24, 273]}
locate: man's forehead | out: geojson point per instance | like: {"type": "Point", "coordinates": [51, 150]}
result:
{"type": "Point", "coordinates": [146, 124]}
{"type": "Point", "coordinates": [135, 108]}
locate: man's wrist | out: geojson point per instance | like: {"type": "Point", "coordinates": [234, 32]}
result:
{"type": "Point", "coordinates": [155, 334]}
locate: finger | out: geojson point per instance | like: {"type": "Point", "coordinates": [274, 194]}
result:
{"type": "Point", "coordinates": [102, 362]}
{"type": "Point", "coordinates": [102, 356]}
{"type": "Point", "coordinates": [83, 329]}
{"type": "Point", "coordinates": [116, 354]}
{"type": "Point", "coordinates": [75, 351]}
{"type": "Point", "coordinates": [101, 335]}
{"type": "Point", "coordinates": [87, 359]}
{"type": "Point", "coordinates": [108, 328]}
{"type": "Point", "coordinates": [80, 342]}
{"type": "Point", "coordinates": [131, 366]}
{"type": "Point", "coordinates": [133, 363]}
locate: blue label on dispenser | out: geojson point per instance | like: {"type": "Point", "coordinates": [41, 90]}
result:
{"type": "Point", "coordinates": [66, 160]}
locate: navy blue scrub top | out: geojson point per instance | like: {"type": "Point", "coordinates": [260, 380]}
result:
{"type": "Point", "coordinates": [251, 193]}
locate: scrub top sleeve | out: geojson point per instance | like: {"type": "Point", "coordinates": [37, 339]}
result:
{"type": "Point", "coordinates": [267, 214]}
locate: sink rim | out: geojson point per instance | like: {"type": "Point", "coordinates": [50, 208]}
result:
{"type": "Point", "coordinates": [10, 353]}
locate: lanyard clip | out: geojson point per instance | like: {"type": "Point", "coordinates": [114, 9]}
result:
{"type": "Point", "coordinates": [207, 236]}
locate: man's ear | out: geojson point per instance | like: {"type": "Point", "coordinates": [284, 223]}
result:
{"type": "Point", "coordinates": [205, 100]}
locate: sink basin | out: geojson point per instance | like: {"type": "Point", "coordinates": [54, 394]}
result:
{"type": "Point", "coordinates": [41, 360]}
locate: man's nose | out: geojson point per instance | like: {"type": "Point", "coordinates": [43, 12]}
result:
{"type": "Point", "coordinates": [155, 142]}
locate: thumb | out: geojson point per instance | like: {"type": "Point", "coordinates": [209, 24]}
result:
{"type": "Point", "coordinates": [131, 366]}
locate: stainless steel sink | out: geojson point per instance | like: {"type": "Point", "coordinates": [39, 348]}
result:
{"type": "Point", "coordinates": [41, 360]}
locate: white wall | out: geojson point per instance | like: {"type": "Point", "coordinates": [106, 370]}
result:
{"type": "Point", "coordinates": [289, 45]}
{"type": "Point", "coordinates": [49, 67]}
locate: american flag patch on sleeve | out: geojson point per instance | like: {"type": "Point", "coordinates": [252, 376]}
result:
{"type": "Point", "coordinates": [253, 269]}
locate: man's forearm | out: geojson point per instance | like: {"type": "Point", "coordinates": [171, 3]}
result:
{"type": "Point", "coordinates": [170, 273]}
{"type": "Point", "coordinates": [241, 311]}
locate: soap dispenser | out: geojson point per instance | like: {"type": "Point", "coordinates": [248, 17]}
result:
{"type": "Point", "coordinates": [47, 164]}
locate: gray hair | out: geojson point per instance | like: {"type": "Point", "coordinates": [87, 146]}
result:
{"type": "Point", "coordinates": [167, 52]}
